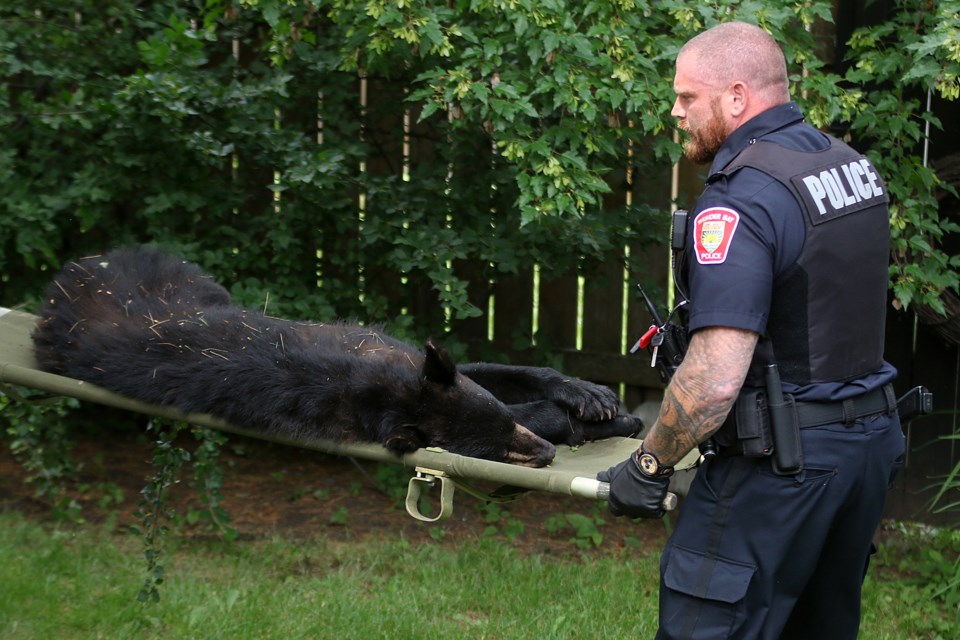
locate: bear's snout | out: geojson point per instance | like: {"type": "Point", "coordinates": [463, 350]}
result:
{"type": "Point", "coordinates": [530, 450]}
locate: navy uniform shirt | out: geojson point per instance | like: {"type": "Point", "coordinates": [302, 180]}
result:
{"type": "Point", "coordinates": [745, 231]}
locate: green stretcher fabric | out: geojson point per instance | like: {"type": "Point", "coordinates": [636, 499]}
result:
{"type": "Point", "coordinates": [572, 472]}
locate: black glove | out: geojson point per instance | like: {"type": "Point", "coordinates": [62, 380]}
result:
{"type": "Point", "coordinates": [634, 494]}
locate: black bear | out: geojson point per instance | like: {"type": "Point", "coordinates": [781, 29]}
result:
{"type": "Point", "coordinates": [155, 328]}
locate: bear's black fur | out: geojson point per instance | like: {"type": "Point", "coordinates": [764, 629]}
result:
{"type": "Point", "coordinates": [156, 329]}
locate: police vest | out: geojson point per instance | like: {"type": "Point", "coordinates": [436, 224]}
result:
{"type": "Point", "coordinates": [828, 312]}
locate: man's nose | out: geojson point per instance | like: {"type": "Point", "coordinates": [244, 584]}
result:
{"type": "Point", "coordinates": [677, 111]}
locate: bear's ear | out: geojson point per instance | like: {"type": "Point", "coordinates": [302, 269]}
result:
{"type": "Point", "coordinates": [404, 439]}
{"type": "Point", "coordinates": [390, 427]}
{"type": "Point", "coordinates": [438, 366]}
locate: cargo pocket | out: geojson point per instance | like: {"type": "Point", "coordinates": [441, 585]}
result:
{"type": "Point", "coordinates": [703, 595]}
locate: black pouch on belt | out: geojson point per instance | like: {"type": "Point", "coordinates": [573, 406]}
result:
{"type": "Point", "coordinates": [785, 426]}
{"type": "Point", "coordinates": [753, 424]}
{"type": "Point", "coordinates": [788, 452]}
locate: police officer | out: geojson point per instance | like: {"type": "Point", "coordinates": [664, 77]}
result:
{"type": "Point", "coordinates": [785, 272]}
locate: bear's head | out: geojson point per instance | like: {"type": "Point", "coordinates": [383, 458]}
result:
{"type": "Point", "coordinates": [450, 411]}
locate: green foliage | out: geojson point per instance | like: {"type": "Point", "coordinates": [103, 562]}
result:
{"type": "Point", "coordinates": [585, 528]}
{"type": "Point", "coordinates": [204, 117]}
{"type": "Point", "coordinates": [947, 498]}
{"type": "Point", "coordinates": [499, 521]}
{"type": "Point", "coordinates": [36, 430]}
{"type": "Point", "coordinates": [339, 516]}
{"type": "Point", "coordinates": [37, 433]}
{"type": "Point", "coordinates": [943, 563]}
{"type": "Point", "coordinates": [154, 510]}
{"type": "Point", "coordinates": [208, 481]}
{"type": "Point", "coordinates": [233, 133]}
{"type": "Point", "coordinates": [894, 65]}
{"type": "Point", "coordinates": [199, 131]}
{"type": "Point", "coordinates": [392, 479]}
{"type": "Point", "coordinates": [929, 558]}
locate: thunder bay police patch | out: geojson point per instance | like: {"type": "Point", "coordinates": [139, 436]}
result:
{"type": "Point", "coordinates": [713, 231]}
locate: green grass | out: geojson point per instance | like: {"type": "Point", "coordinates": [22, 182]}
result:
{"type": "Point", "coordinates": [65, 583]}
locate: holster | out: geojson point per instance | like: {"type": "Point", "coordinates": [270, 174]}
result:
{"type": "Point", "coordinates": [747, 428]}
{"type": "Point", "coordinates": [749, 431]}
{"type": "Point", "coordinates": [785, 429]}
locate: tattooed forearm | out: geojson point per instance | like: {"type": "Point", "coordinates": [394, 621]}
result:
{"type": "Point", "coordinates": [697, 400]}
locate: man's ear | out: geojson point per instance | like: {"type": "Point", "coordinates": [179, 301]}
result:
{"type": "Point", "coordinates": [438, 366]}
{"type": "Point", "coordinates": [739, 95]}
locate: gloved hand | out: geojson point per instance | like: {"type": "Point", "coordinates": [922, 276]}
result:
{"type": "Point", "coordinates": [634, 494]}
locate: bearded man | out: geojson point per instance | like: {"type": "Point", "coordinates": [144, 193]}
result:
{"type": "Point", "coordinates": [784, 271]}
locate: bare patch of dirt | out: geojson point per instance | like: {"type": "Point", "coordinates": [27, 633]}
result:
{"type": "Point", "coordinates": [273, 489]}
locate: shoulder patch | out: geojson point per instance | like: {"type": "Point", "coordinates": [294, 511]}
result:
{"type": "Point", "coordinates": [713, 231]}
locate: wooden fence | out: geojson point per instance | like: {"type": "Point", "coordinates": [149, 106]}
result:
{"type": "Point", "coordinates": [587, 323]}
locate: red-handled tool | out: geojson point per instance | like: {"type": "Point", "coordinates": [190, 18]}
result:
{"type": "Point", "coordinates": [645, 339]}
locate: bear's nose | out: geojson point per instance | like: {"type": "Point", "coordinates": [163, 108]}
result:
{"type": "Point", "coordinates": [530, 450]}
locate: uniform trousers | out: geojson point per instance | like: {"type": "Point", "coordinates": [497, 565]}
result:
{"type": "Point", "coordinates": [761, 556]}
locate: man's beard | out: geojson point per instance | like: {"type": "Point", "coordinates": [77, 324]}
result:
{"type": "Point", "coordinates": [702, 145]}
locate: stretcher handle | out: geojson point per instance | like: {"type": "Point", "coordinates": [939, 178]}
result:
{"type": "Point", "coordinates": [427, 478]}
{"type": "Point", "coordinates": [593, 488]}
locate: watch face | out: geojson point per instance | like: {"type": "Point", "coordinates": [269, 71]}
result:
{"type": "Point", "coordinates": [648, 464]}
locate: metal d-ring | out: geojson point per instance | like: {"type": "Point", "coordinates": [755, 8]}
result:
{"type": "Point", "coordinates": [426, 479]}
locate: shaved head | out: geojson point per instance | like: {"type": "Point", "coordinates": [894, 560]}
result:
{"type": "Point", "coordinates": [739, 52]}
{"type": "Point", "coordinates": [726, 76]}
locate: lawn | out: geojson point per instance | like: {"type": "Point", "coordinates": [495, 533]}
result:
{"type": "Point", "coordinates": [66, 582]}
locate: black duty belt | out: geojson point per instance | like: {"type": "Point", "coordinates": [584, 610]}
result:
{"type": "Point", "coordinates": [814, 414]}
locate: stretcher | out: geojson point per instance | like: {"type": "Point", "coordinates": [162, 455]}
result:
{"type": "Point", "coordinates": [573, 471]}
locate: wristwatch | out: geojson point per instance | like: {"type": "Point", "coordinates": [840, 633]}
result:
{"type": "Point", "coordinates": [650, 465]}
